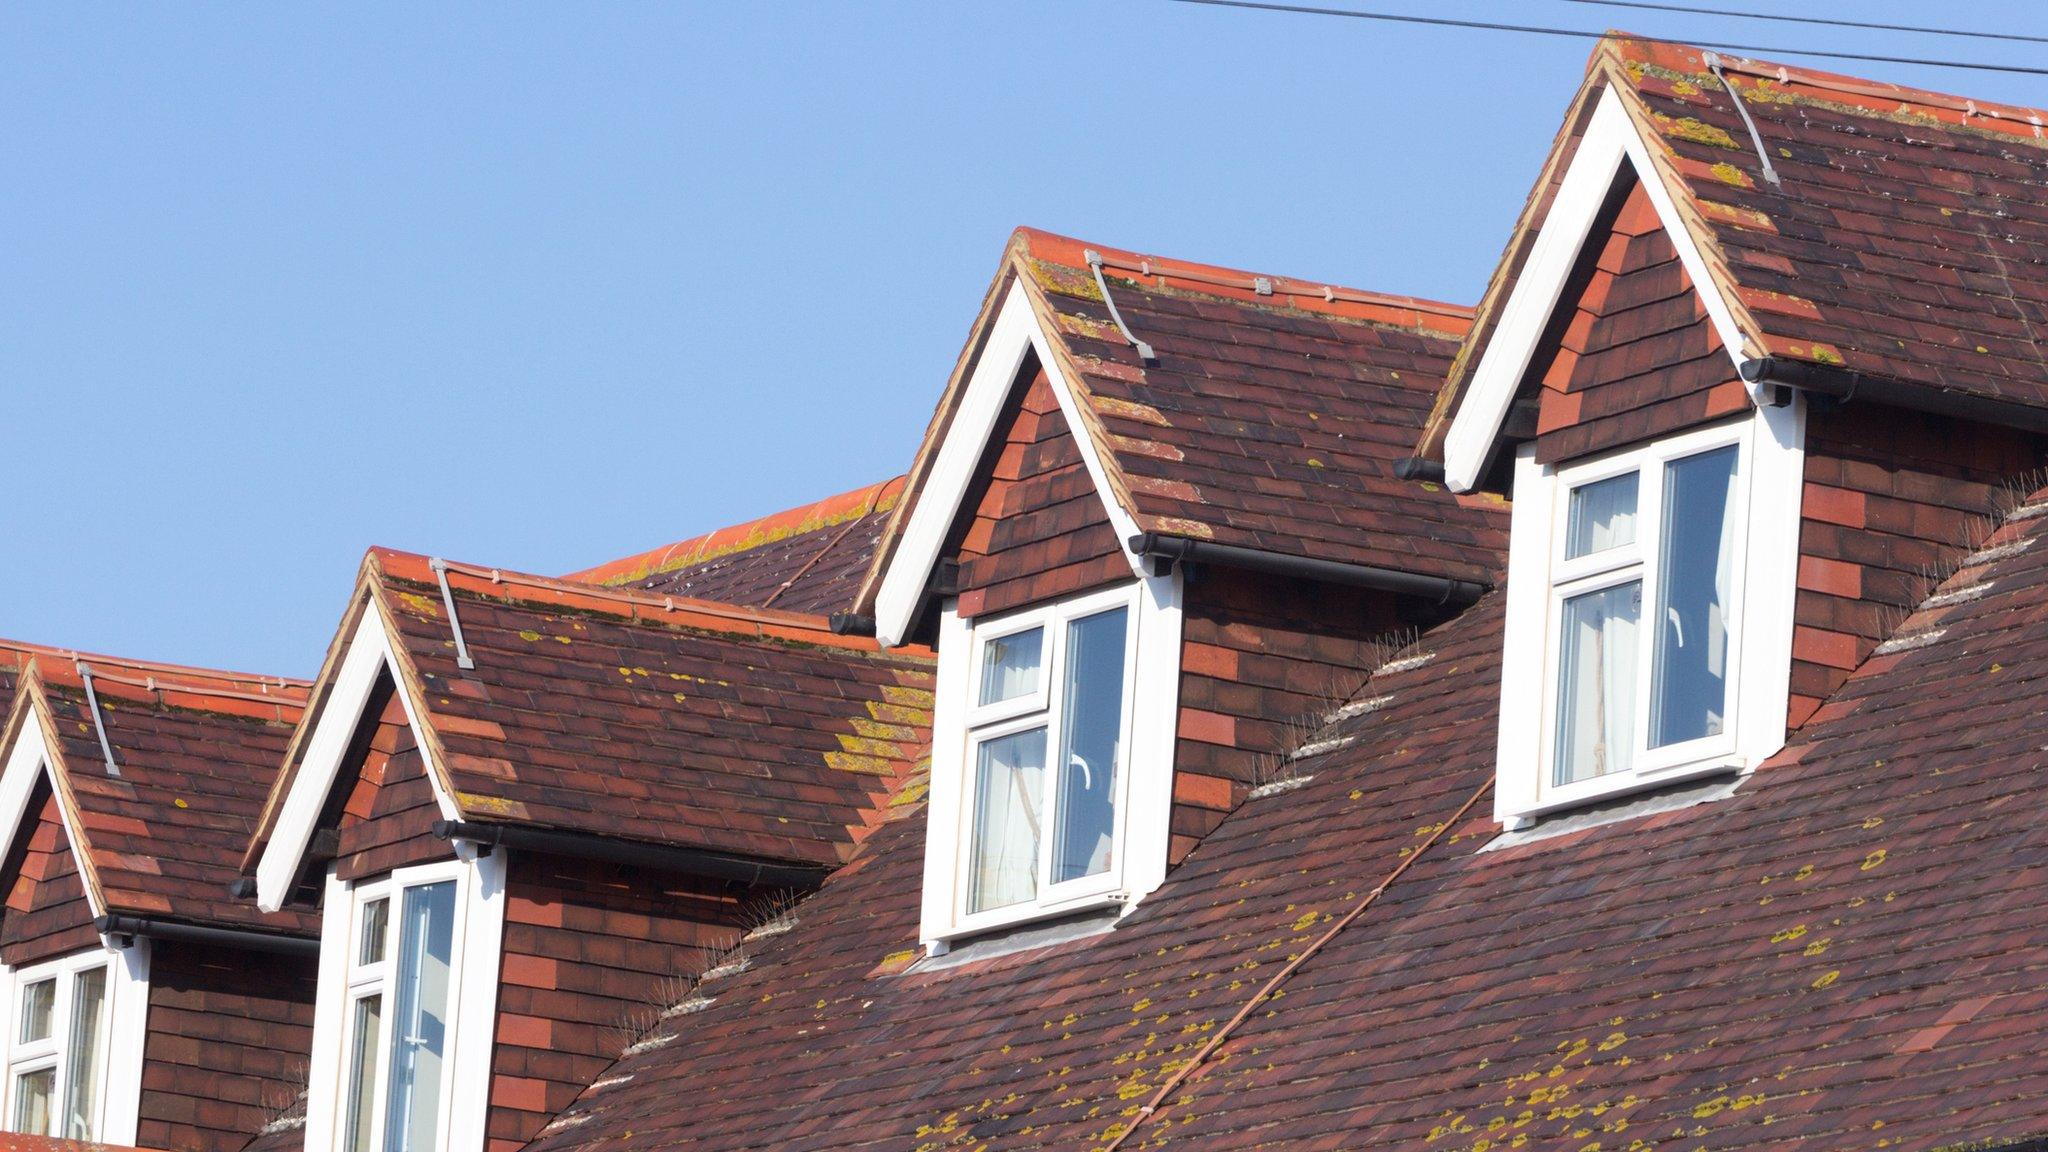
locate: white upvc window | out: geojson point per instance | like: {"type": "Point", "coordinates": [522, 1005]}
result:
{"type": "Point", "coordinates": [408, 979]}
{"type": "Point", "coordinates": [1049, 743]}
{"type": "Point", "coordinates": [1655, 586]}
{"type": "Point", "coordinates": [59, 1024]}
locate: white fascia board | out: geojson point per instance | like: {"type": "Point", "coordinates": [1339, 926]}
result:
{"type": "Point", "coordinates": [128, 997]}
{"type": "Point", "coordinates": [369, 653]}
{"type": "Point", "coordinates": [1015, 332]}
{"type": "Point", "coordinates": [1610, 138]}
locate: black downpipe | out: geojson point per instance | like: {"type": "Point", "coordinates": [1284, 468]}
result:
{"type": "Point", "coordinates": [1437, 589]}
{"type": "Point", "coordinates": [664, 857]}
{"type": "Point", "coordinates": [205, 934]}
{"type": "Point", "coordinates": [1845, 385]}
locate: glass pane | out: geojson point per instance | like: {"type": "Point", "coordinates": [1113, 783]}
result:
{"type": "Point", "coordinates": [1603, 516]}
{"type": "Point", "coordinates": [419, 1024]}
{"type": "Point", "coordinates": [370, 948]}
{"type": "Point", "coordinates": [1009, 665]}
{"type": "Point", "coordinates": [37, 1001]}
{"type": "Point", "coordinates": [1009, 787]}
{"type": "Point", "coordinates": [32, 1092]}
{"type": "Point", "coordinates": [88, 1044]}
{"type": "Point", "coordinates": [1094, 724]}
{"type": "Point", "coordinates": [1689, 674]}
{"type": "Point", "coordinates": [1597, 683]}
{"type": "Point", "coordinates": [362, 1072]}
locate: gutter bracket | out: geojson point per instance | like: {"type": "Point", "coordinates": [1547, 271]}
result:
{"type": "Point", "coordinates": [92, 701]}
{"type": "Point", "coordinates": [1713, 62]}
{"type": "Point", "coordinates": [1145, 352]}
{"type": "Point", "coordinates": [462, 657]}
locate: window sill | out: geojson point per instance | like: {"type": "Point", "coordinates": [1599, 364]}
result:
{"type": "Point", "coordinates": [1646, 780]}
{"type": "Point", "coordinates": [1008, 919]}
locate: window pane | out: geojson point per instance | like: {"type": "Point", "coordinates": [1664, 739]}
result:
{"type": "Point", "coordinates": [1009, 665]}
{"type": "Point", "coordinates": [1094, 724]}
{"type": "Point", "coordinates": [1603, 516]}
{"type": "Point", "coordinates": [1009, 787]}
{"type": "Point", "coordinates": [1596, 683]}
{"type": "Point", "coordinates": [362, 1072]}
{"type": "Point", "coordinates": [370, 947]}
{"type": "Point", "coordinates": [32, 1092]}
{"type": "Point", "coordinates": [1689, 675]}
{"type": "Point", "coordinates": [419, 1037]}
{"type": "Point", "coordinates": [88, 1044]}
{"type": "Point", "coordinates": [37, 1001]}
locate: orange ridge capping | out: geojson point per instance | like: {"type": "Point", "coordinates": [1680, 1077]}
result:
{"type": "Point", "coordinates": [746, 537]}
{"type": "Point", "coordinates": [1873, 96]}
{"type": "Point", "coordinates": [1232, 283]}
{"type": "Point", "coordinates": [174, 685]}
{"type": "Point", "coordinates": [675, 611]}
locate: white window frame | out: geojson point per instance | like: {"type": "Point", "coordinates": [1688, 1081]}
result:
{"type": "Point", "coordinates": [473, 996]}
{"type": "Point", "coordinates": [124, 1017]}
{"type": "Point", "coordinates": [1144, 772]}
{"type": "Point", "coordinates": [1769, 479]}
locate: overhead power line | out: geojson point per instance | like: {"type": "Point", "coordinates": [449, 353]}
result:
{"type": "Point", "coordinates": [1584, 34]}
{"type": "Point", "coordinates": [1646, 6]}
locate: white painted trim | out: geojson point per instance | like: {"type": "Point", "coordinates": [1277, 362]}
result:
{"type": "Point", "coordinates": [26, 761]}
{"type": "Point", "coordinates": [473, 965]}
{"type": "Point", "coordinates": [1610, 138]}
{"type": "Point", "coordinates": [1761, 614]}
{"type": "Point", "coordinates": [369, 654]}
{"type": "Point", "coordinates": [1015, 332]}
{"type": "Point", "coordinates": [118, 1110]}
{"type": "Point", "coordinates": [1146, 807]}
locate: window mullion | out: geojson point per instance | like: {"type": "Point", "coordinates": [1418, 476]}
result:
{"type": "Point", "coordinates": [1055, 724]}
{"type": "Point", "coordinates": [1650, 541]}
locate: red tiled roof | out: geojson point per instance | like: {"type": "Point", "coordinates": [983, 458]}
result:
{"type": "Point", "coordinates": [1846, 952]}
{"type": "Point", "coordinates": [197, 751]}
{"type": "Point", "coordinates": [807, 559]}
{"type": "Point", "coordinates": [1270, 420]}
{"type": "Point", "coordinates": [626, 714]}
{"type": "Point", "coordinates": [1907, 239]}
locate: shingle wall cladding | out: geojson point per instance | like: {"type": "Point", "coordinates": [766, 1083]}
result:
{"type": "Point", "coordinates": [1632, 354]}
{"type": "Point", "coordinates": [388, 815]}
{"type": "Point", "coordinates": [229, 1037]}
{"type": "Point", "coordinates": [1036, 528]}
{"type": "Point", "coordinates": [1892, 501]}
{"type": "Point", "coordinates": [593, 952]}
{"type": "Point", "coordinates": [1263, 660]}
{"type": "Point", "coordinates": [47, 913]}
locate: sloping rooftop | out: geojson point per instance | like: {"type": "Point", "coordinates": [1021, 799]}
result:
{"type": "Point", "coordinates": [1271, 417]}
{"type": "Point", "coordinates": [1906, 238]}
{"type": "Point", "coordinates": [197, 751]}
{"type": "Point", "coordinates": [807, 559]}
{"type": "Point", "coordinates": [1845, 952]}
{"type": "Point", "coordinates": [631, 715]}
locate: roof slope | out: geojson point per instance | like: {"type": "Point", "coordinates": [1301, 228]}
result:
{"type": "Point", "coordinates": [1908, 238]}
{"type": "Point", "coordinates": [808, 559]}
{"type": "Point", "coordinates": [625, 714]}
{"type": "Point", "coordinates": [1846, 952]}
{"type": "Point", "coordinates": [197, 751]}
{"type": "Point", "coordinates": [1271, 418]}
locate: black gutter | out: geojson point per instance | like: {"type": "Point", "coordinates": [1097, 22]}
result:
{"type": "Point", "coordinates": [639, 854]}
{"type": "Point", "coordinates": [1846, 384]}
{"type": "Point", "coordinates": [851, 624]}
{"type": "Point", "coordinates": [206, 934]}
{"type": "Point", "coordinates": [1417, 468]}
{"type": "Point", "coordinates": [1438, 589]}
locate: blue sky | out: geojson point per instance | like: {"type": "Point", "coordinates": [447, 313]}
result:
{"type": "Point", "coordinates": [278, 283]}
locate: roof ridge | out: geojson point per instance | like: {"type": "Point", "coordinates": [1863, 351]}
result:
{"type": "Point", "coordinates": [1634, 51]}
{"type": "Point", "coordinates": [27, 651]}
{"type": "Point", "coordinates": [630, 604]}
{"type": "Point", "coordinates": [747, 535]}
{"type": "Point", "coordinates": [1246, 287]}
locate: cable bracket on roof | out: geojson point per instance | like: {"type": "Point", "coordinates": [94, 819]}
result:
{"type": "Point", "coordinates": [1094, 259]}
{"type": "Point", "coordinates": [440, 567]}
{"type": "Point", "coordinates": [92, 701]}
{"type": "Point", "coordinates": [1713, 61]}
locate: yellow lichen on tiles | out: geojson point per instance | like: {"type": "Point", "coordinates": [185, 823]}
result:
{"type": "Point", "coordinates": [528, 635]}
{"type": "Point", "coordinates": [1697, 131]}
{"type": "Point", "coordinates": [420, 605]}
{"type": "Point", "coordinates": [1178, 526]}
{"type": "Point", "coordinates": [876, 730]}
{"type": "Point", "coordinates": [1064, 280]}
{"type": "Point", "coordinates": [495, 805]}
{"type": "Point", "coordinates": [1873, 860]}
{"type": "Point", "coordinates": [908, 697]}
{"type": "Point", "coordinates": [1089, 328]}
{"type": "Point", "coordinates": [899, 714]}
{"type": "Point", "coordinates": [1728, 173]}
{"type": "Point", "coordinates": [1827, 979]}
{"type": "Point", "coordinates": [1131, 410]}
{"type": "Point", "coordinates": [865, 765]}
{"type": "Point", "coordinates": [1739, 217]}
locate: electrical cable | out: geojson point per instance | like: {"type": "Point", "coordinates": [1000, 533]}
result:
{"type": "Point", "coordinates": [1582, 34]}
{"type": "Point", "coordinates": [1645, 5]}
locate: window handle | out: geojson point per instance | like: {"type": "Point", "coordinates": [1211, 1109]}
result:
{"type": "Point", "coordinates": [1677, 623]}
{"type": "Point", "coordinates": [1087, 776]}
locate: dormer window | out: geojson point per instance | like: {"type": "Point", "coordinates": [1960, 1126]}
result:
{"type": "Point", "coordinates": [57, 1048]}
{"type": "Point", "coordinates": [1638, 691]}
{"type": "Point", "coordinates": [1047, 734]}
{"type": "Point", "coordinates": [1655, 586]}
